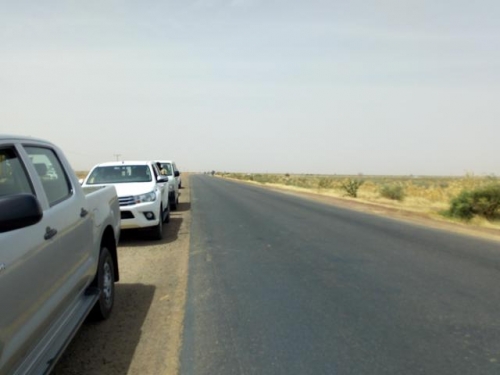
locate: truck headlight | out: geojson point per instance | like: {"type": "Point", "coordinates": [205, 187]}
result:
{"type": "Point", "coordinates": [144, 198]}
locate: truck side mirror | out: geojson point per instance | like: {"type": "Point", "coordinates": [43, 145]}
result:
{"type": "Point", "coordinates": [19, 211]}
{"type": "Point", "coordinates": [162, 178]}
{"type": "Point", "coordinates": [177, 173]}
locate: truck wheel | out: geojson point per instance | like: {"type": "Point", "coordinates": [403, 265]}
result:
{"type": "Point", "coordinates": [172, 200]}
{"type": "Point", "coordinates": [173, 205]}
{"type": "Point", "coordinates": [167, 218]}
{"type": "Point", "coordinates": [105, 282]}
{"type": "Point", "coordinates": [157, 231]}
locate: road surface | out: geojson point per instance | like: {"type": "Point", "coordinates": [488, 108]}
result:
{"type": "Point", "coordinates": [283, 285]}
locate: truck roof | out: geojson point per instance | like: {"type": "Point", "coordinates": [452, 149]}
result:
{"type": "Point", "coordinates": [125, 162]}
{"type": "Point", "coordinates": [12, 137]}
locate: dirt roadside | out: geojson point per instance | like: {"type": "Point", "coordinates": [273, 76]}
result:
{"type": "Point", "coordinates": [144, 333]}
{"type": "Point", "coordinates": [395, 213]}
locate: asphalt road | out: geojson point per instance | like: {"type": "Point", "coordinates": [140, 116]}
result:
{"type": "Point", "coordinates": [282, 285]}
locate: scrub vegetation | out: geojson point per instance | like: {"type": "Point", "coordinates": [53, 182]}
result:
{"type": "Point", "coordinates": [483, 201]}
{"type": "Point", "coordinates": [472, 199]}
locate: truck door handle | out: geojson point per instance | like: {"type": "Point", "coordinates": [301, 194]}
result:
{"type": "Point", "coordinates": [49, 233]}
{"type": "Point", "coordinates": [83, 212]}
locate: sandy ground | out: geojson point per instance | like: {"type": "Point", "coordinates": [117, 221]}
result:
{"type": "Point", "coordinates": [144, 333]}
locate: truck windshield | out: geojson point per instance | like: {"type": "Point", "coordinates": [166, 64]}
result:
{"type": "Point", "coordinates": [120, 174]}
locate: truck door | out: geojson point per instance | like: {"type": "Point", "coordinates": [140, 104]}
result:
{"type": "Point", "coordinates": [162, 186]}
{"type": "Point", "coordinates": [69, 228]}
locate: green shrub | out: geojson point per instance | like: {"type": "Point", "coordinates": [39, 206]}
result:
{"type": "Point", "coordinates": [394, 192]}
{"type": "Point", "coordinates": [325, 183]}
{"type": "Point", "coordinates": [351, 186]}
{"type": "Point", "coordinates": [484, 201]}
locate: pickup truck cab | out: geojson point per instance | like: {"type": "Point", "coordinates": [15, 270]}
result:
{"type": "Point", "coordinates": [142, 193]}
{"type": "Point", "coordinates": [58, 254]}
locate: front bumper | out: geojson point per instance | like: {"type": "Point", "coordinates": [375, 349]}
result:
{"type": "Point", "coordinates": [142, 215]}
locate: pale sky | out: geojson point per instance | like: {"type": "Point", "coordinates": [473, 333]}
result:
{"type": "Point", "coordinates": [287, 86]}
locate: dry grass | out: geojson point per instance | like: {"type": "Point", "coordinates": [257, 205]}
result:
{"type": "Point", "coordinates": [427, 195]}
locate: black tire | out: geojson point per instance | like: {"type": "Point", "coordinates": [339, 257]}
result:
{"type": "Point", "coordinates": [167, 218]}
{"type": "Point", "coordinates": [157, 231]}
{"type": "Point", "coordinates": [105, 282]}
{"type": "Point", "coordinates": [173, 202]}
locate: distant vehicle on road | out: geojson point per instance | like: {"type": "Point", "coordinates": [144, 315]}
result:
{"type": "Point", "coordinates": [58, 258]}
{"type": "Point", "coordinates": [142, 193]}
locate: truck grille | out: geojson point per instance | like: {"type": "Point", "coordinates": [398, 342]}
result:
{"type": "Point", "coordinates": [126, 201]}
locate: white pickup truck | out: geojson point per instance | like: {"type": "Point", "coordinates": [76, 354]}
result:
{"type": "Point", "coordinates": [142, 192]}
{"type": "Point", "coordinates": [58, 254]}
{"type": "Point", "coordinates": [166, 168]}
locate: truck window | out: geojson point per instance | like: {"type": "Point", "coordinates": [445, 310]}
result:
{"type": "Point", "coordinates": [168, 167]}
{"type": "Point", "coordinates": [55, 182]}
{"type": "Point", "coordinates": [13, 176]}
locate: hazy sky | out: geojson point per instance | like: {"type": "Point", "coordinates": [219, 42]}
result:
{"type": "Point", "coordinates": [298, 86]}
